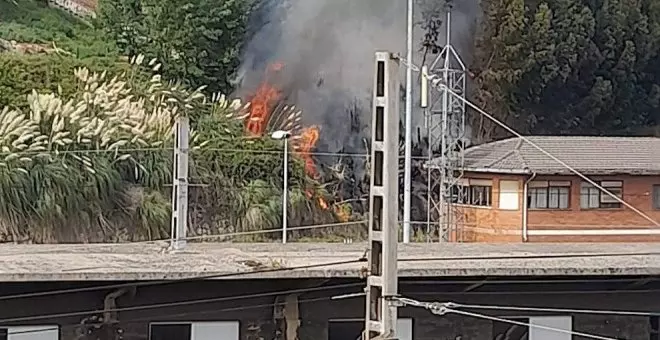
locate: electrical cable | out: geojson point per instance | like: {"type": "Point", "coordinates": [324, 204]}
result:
{"type": "Point", "coordinates": [525, 257]}
{"type": "Point", "coordinates": [437, 82]}
{"type": "Point", "coordinates": [162, 282]}
{"type": "Point", "coordinates": [193, 150]}
{"type": "Point", "coordinates": [554, 310]}
{"type": "Point", "coordinates": [441, 309]}
{"type": "Point", "coordinates": [182, 314]}
{"type": "Point", "coordinates": [548, 154]}
{"type": "Point", "coordinates": [525, 324]}
{"type": "Point", "coordinates": [175, 304]}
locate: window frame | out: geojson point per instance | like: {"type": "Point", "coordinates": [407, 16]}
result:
{"type": "Point", "coordinates": [504, 194]}
{"type": "Point", "coordinates": [472, 188]}
{"type": "Point", "coordinates": [548, 186]}
{"type": "Point", "coordinates": [655, 196]}
{"type": "Point", "coordinates": [194, 326]}
{"type": "Point", "coordinates": [605, 202]}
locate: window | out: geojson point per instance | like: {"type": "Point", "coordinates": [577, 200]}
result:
{"type": "Point", "coordinates": [506, 330]}
{"type": "Point", "coordinates": [473, 192]}
{"type": "Point", "coordinates": [351, 329]}
{"type": "Point", "coordinates": [227, 330]}
{"type": "Point", "coordinates": [656, 197]}
{"type": "Point", "coordinates": [592, 197]}
{"type": "Point", "coordinates": [30, 333]}
{"type": "Point", "coordinates": [654, 328]}
{"type": "Point", "coordinates": [509, 191]}
{"type": "Point", "coordinates": [548, 194]}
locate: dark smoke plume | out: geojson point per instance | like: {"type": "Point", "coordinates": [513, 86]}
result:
{"type": "Point", "coordinates": [327, 47]}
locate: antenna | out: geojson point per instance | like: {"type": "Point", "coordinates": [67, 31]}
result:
{"type": "Point", "coordinates": [446, 131]}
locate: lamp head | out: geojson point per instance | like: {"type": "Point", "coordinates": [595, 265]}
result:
{"type": "Point", "coordinates": [280, 134]}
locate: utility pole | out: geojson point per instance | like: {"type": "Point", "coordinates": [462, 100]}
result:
{"type": "Point", "coordinates": [381, 309]}
{"type": "Point", "coordinates": [407, 165]}
{"type": "Point", "coordinates": [180, 184]}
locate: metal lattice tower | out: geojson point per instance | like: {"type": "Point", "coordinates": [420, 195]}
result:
{"type": "Point", "coordinates": [446, 130]}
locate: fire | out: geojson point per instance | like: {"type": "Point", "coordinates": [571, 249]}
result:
{"type": "Point", "coordinates": [261, 106]}
{"type": "Point", "coordinates": [262, 102]}
{"type": "Point", "coordinates": [307, 142]}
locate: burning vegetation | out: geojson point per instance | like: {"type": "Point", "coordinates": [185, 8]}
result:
{"type": "Point", "coordinates": [268, 113]}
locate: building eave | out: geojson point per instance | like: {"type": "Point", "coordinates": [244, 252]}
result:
{"type": "Point", "coordinates": [225, 261]}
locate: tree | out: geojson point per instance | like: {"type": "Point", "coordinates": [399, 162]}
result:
{"type": "Point", "coordinates": [586, 67]}
{"type": "Point", "coordinates": [197, 41]}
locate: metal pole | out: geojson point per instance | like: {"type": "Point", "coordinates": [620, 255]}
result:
{"type": "Point", "coordinates": [407, 171]}
{"type": "Point", "coordinates": [180, 184]}
{"type": "Point", "coordinates": [382, 286]}
{"type": "Point", "coordinates": [285, 195]}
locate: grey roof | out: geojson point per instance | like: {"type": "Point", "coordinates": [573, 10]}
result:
{"type": "Point", "coordinates": [141, 261]}
{"type": "Point", "coordinates": [589, 155]}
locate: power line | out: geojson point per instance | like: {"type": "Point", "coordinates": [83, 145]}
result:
{"type": "Point", "coordinates": [161, 282]}
{"type": "Point", "coordinates": [441, 309]}
{"type": "Point", "coordinates": [176, 304]}
{"type": "Point", "coordinates": [553, 310]}
{"type": "Point", "coordinates": [525, 324]}
{"type": "Point", "coordinates": [193, 150]}
{"type": "Point", "coordinates": [180, 314]}
{"type": "Point", "coordinates": [526, 257]}
{"type": "Point", "coordinates": [548, 154]}
{"type": "Point", "coordinates": [437, 82]}
{"type": "Point", "coordinates": [260, 232]}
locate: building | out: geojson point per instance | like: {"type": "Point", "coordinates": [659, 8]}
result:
{"type": "Point", "coordinates": [315, 291]}
{"type": "Point", "coordinates": [80, 8]}
{"type": "Point", "coordinates": [513, 192]}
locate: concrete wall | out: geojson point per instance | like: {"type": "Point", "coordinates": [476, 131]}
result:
{"type": "Point", "coordinates": [260, 320]}
{"type": "Point", "coordinates": [491, 224]}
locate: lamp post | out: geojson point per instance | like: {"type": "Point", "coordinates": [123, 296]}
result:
{"type": "Point", "coordinates": [284, 135]}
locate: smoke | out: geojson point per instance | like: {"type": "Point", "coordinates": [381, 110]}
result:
{"type": "Point", "coordinates": [327, 48]}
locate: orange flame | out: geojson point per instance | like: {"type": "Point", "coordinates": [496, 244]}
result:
{"type": "Point", "coordinates": [261, 103]}
{"type": "Point", "coordinates": [308, 139]}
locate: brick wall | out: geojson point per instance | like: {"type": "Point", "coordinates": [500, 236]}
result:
{"type": "Point", "coordinates": [490, 224]}
{"type": "Point", "coordinates": [637, 191]}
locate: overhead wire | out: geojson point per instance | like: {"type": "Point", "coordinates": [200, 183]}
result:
{"type": "Point", "coordinates": [436, 82]}
{"type": "Point", "coordinates": [527, 324]}
{"type": "Point", "coordinates": [259, 232]}
{"type": "Point", "coordinates": [528, 256]}
{"type": "Point", "coordinates": [554, 310]}
{"type": "Point", "coordinates": [214, 311]}
{"type": "Point", "coordinates": [174, 304]}
{"type": "Point", "coordinates": [444, 308]}
{"type": "Point", "coordinates": [163, 282]}
{"type": "Point", "coordinates": [545, 152]}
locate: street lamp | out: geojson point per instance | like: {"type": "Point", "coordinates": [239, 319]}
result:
{"type": "Point", "coordinates": [284, 135]}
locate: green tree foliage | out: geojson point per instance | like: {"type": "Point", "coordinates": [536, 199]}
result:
{"type": "Point", "coordinates": [570, 66]}
{"type": "Point", "coordinates": [198, 41]}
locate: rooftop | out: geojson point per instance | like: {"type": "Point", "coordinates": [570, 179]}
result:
{"type": "Point", "coordinates": [588, 155]}
{"type": "Point", "coordinates": [140, 261]}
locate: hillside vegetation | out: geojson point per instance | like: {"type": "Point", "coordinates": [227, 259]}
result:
{"type": "Point", "coordinates": [85, 124]}
{"type": "Point", "coordinates": [569, 67]}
